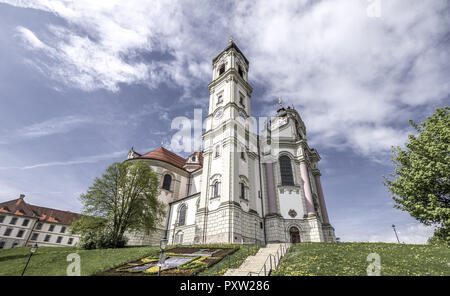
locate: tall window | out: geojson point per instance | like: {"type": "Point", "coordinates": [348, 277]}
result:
{"type": "Point", "coordinates": [25, 222]}
{"type": "Point", "coordinates": [20, 233]}
{"type": "Point", "coordinates": [2, 218]}
{"type": "Point", "coordinates": [216, 189]}
{"type": "Point", "coordinates": [179, 237]}
{"type": "Point", "coordinates": [167, 181]}
{"type": "Point", "coordinates": [13, 221]}
{"type": "Point", "coordinates": [241, 73]}
{"type": "Point", "coordinates": [217, 154]}
{"type": "Point", "coordinates": [242, 155]}
{"type": "Point", "coordinates": [221, 69]}
{"type": "Point", "coordinates": [241, 101]}
{"type": "Point", "coordinates": [182, 217]}
{"type": "Point", "coordinates": [286, 171]}
{"type": "Point", "coordinates": [8, 232]}
{"type": "Point", "coordinates": [35, 236]}
{"type": "Point", "coordinates": [242, 185]}
{"type": "Point", "coordinates": [51, 227]}
{"type": "Point", "coordinates": [39, 226]}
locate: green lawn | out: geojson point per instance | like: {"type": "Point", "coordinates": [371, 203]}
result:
{"type": "Point", "coordinates": [52, 260]}
{"type": "Point", "coordinates": [349, 259]}
{"type": "Point", "coordinates": [302, 259]}
{"type": "Point", "coordinates": [231, 261]}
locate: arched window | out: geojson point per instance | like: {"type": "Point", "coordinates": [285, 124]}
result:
{"type": "Point", "coordinates": [216, 189]}
{"type": "Point", "coordinates": [179, 237]}
{"type": "Point", "coordinates": [222, 69]}
{"type": "Point", "coordinates": [242, 189]}
{"type": "Point", "coordinates": [286, 171]}
{"type": "Point", "coordinates": [294, 234]}
{"type": "Point", "coordinates": [217, 153]}
{"type": "Point", "coordinates": [167, 181]}
{"type": "Point", "coordinates": [182, 215]}
{"type": "Point", "coordinates": [242, 155]}
{"type": "Point", "coordinates": [241, 73]}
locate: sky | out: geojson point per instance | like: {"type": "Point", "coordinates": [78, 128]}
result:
{"type": "Point", "coordinates": [83, 81]}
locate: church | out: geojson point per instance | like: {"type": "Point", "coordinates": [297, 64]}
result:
{"type": "Point", "coordinates": [245, 186]}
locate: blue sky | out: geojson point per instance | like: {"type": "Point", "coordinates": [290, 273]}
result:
{"type": "Point", "coordinates": [83, 81]}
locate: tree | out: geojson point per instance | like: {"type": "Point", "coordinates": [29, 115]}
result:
{"type": "Point", "coordinates": [420, 183]}
{"type": "Point", "coordinates": [125, 197]}
{"type": "Point", "coordinates": [93, 232]}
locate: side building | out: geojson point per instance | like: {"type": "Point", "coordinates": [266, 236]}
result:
{"type": "Point", "coordinates": [23, 224]}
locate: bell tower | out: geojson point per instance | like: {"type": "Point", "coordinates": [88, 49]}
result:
{"type": "Point", "coordinates": [229, 189]}
{"type": "Point", "coordinates": [229, 89]}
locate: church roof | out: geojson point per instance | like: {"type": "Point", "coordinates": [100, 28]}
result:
{"type": "Point", "coordinates": [231, 45]}
{"type": "Point", "coordinates": [199, 156]}
{"type": "Point", "coordinates": [20, 207]}
{"type": "Point", "coordinates": [165, 155]}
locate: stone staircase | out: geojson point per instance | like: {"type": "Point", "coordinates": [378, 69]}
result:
{"type": "Point", "coordinates": [266, 260]}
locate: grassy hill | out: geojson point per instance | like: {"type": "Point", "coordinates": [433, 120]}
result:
{"type": "Point", "coordinates": [349, 259]}
{"type": "Point", "coordinates": [52, 260]}
{"type": "Point", "coordinates": [49, 261]}
{"type": "Point", "coordinates": [302, 259]}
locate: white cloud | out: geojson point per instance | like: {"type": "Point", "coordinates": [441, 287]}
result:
{"type": "Point", "coordinates": [30, 38]}
{"type": "Point", "coordinates": [81, 160]}
{"type": "Point", "coordinates": [356, 80]}
{"type": "Point", "coordinates": [52, 126]}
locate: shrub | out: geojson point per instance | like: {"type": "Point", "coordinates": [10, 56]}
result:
{"type": "Point", "coordinates": [101, 240]}
{"type": "Point", "coordinates": [441, 237]}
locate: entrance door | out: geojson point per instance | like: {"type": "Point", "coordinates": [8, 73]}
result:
{"type": "Point", "coordinates": [295, 235]}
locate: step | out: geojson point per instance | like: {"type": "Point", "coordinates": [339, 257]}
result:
{"type": "Point", "coordinates": [256, 263]}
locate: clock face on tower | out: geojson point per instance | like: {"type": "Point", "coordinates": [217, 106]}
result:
{"type": "Point", "coordinates": [219, 114]}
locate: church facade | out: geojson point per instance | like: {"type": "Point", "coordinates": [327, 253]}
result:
{"type": "Point", "coordinates": [245, 186]}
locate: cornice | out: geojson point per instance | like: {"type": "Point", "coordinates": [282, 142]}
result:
{"type": "Point", "coordinates": [230, 74]}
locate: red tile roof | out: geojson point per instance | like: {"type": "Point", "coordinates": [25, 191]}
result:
{"type": "Point", "coordinates": [199, 156]}
{"type": "Point", "coordinates": [20, 207]}
{"type": "Point", "coordinates": [165, 155]}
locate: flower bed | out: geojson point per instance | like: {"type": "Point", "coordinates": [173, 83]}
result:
{"type": "Point", "coordinates": [179, 261]}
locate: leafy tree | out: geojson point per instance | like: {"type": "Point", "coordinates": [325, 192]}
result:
{"type": "Point", "coordinates": [93, 232]}
{"type": "Point", "coordinates": [421, 179]}
{"type": "Point", "coordinates": [87, 223]}
{"type": "Point", "coordinates": [123, 198]}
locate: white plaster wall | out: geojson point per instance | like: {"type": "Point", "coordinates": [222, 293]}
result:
{"type": "Point", "coordinates": [12, 238]}
{"type": "Point", "coordinates": [196, 182]}
{"type": "Point", "coordinates": [191, 203]}
{"type": "Point", "coordinates": [290, 201]}
{"type": "Point", "coordinates": [42, 233]}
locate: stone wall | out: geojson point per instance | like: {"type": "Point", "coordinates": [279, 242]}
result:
{"type": "Point", "coordinates": [142, 238]}
{"type": "Point", "coordinates": [328, 233]}
{"type": "Point", "coordinates": [277, 229]}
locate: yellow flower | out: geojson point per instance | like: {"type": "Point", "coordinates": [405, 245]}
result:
{"type": "Point", "coordinates": [152, 269]}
